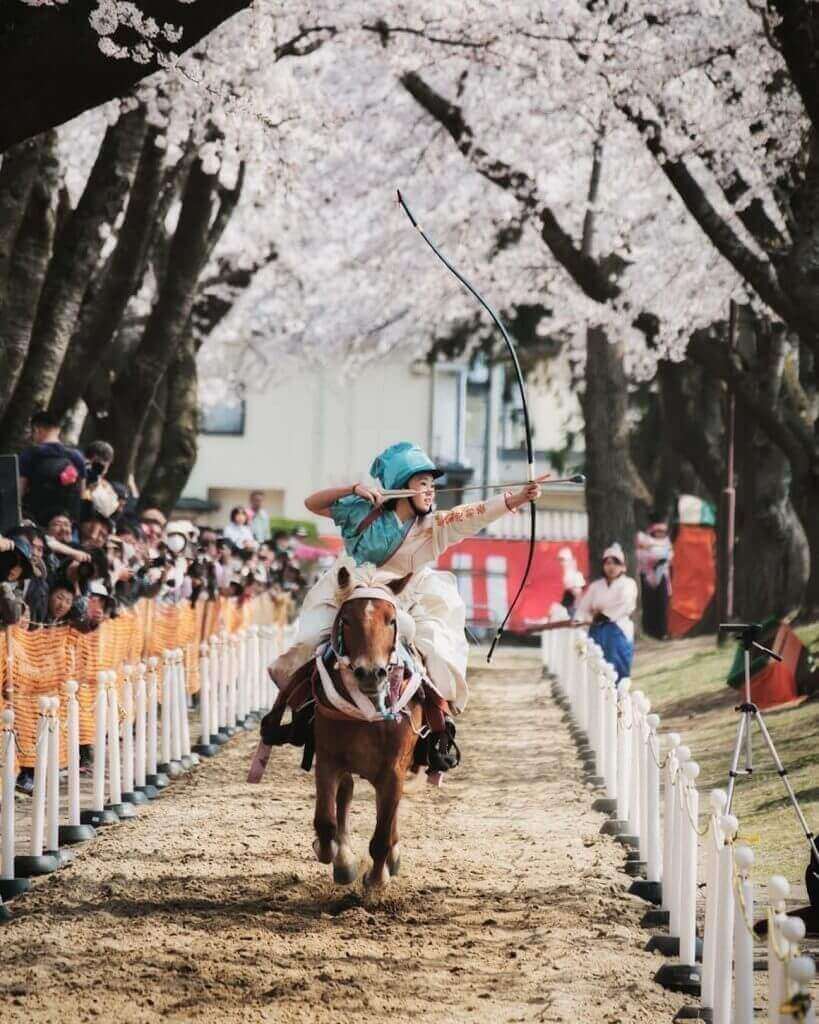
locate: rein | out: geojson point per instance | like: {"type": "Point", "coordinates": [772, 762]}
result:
{"type": "Point", "coordinates": [359, 706]}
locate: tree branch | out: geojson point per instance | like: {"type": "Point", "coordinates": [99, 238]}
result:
{"type": "Point", "coordinates": [585, 271]}
{"type": "Point", "coordinates": [51, 66]}
{"type": "Point", "coordinates": [759, 274]}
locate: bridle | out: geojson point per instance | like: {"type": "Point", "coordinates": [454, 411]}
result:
{"type": "Point", "coordinates": [337, 645]}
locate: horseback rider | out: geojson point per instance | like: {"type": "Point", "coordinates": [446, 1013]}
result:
{"type": "Point", "coordinates": [394, 539]}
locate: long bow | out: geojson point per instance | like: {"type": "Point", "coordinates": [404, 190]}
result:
{"type": "Point", "coordinates": [530, 453]}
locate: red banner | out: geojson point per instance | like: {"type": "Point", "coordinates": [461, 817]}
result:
{"type": "Point", "coordinates": [489, 572]}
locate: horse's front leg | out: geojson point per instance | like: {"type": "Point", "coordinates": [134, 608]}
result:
{"type": "Point", "coordinates": [325, 823]}
{"type": "Point", "coordinates": [388, 792]}
{"type": "Point", "coordinates": [345, 865]}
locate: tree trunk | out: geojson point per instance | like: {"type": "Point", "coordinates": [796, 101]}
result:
{"type": "Point", "coordinates": [73, 261]}
{"type": "Point", "coordinates": [27, 271]}
{"type": "Point", "coordinates": [772, 558]}
{"type": "Point", "coordinates": [18, 173]}
{"type": "Point", "coordinates": [134, 390]}
{"type": "Point", "coordinates": [177, 453]}
{"type": "Point", "coordinates": [106, 300]}
{"type": "Point", "coordinates": [151, 440]}
{"type": "Point", "coordinates": [609, 497]}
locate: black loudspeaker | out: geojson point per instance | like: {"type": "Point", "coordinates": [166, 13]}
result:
{"type": "Point", "coordinates": [9, 493]}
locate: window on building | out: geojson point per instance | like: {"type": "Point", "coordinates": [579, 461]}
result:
{"type": "Point", "coordinates": [226, 418]}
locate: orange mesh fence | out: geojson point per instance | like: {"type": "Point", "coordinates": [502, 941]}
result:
{"type": "Point", "coordinates": [36, 663]}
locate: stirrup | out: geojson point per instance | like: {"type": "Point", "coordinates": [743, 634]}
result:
{"type": "Point", "coordinates": [443, 753]}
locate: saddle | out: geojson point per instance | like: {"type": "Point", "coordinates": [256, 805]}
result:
{"type": "Point", "coordinates": [436, 748]}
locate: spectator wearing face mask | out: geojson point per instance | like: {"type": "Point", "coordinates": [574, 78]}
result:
{"type": "Point", "coordinates": [52, 474]}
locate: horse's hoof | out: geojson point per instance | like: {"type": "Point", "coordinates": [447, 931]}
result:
{"type": "Point", "coordinates": [345, 872]}
{"type": "Point", "coordinates": [377, 880]}
{"type": "Point", "coordinates": [325, 854]}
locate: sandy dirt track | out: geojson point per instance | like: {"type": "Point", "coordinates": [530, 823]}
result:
{"type": "Point", "coordinates": [510, 907]}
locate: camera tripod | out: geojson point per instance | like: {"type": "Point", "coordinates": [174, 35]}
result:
{"type": "Point", "coordinates": [746, 634]}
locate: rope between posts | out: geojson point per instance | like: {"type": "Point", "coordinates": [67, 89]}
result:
{"type": "Point", "coordinates": [736, 883]}
{"type": "Point", "coordinates": [21, 750]}
{"type": "Point", "coordinates": [684, 796]}
{"type": "Point", "coordinates": [783, 956]}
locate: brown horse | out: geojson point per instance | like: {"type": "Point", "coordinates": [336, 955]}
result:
{"type": "Point", "coordinates": [368, 715]}
{"type": "Point", "coordinates": [364, 639]}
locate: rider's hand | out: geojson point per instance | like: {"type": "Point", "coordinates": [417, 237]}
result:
{"type": "Point", "coordinates": [371, 494]}
{"type": "Point", "coordinates": [529, 492]}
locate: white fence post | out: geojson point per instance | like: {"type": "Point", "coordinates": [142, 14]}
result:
{"type": "Point", "coordinates": [52, 836]}
{"type": "Point", "coordinates": [205, 747]}
{"type": "Point", "coordinates": [725, 923]}
{"type": "Point", "coordinates": [187, 757]}
{"type": "Point", "coordinates": [36, 862]}
{"type": "Point", "coordinates": [713, 843]}
{"type": "Point", "coordinates": [154, 778]}
{"type": "Point", "coordinates": [115, 801]}
{"type": "Point", "coordinates": [10, 885]}
{"type": "Point", "coordinates": [130, 795]}
{"type": "Point", "coordinates": [801, 973]}
{"type": "Point", "coordinates": [744, 938]}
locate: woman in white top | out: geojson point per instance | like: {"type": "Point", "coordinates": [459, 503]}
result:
{"type": "Point", "coordinates": [608, 605]}
{"type": "Point", "coordinates": [387, 541]}
{"type": "Point", "coordinates": [238, 530]}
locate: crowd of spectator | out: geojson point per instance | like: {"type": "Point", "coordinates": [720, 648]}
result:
{"type": "Point", "coordinates": [86, 548]}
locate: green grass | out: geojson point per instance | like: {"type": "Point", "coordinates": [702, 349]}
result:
{"type": "Point", "coordinates": [685, 681]}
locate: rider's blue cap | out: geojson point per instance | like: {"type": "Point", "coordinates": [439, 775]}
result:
{"type": "Point", "coordinates": [394, 467]}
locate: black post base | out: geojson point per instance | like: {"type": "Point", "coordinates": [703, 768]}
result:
{"type": "Point", "coordinates": [628, 839]}
{"type": "Point", "coordinates": [134, 797]}
{"type": "Point", "coordinates": [605, 804]}
{"type": "Point", "coordinates": [613, 827]}
{"type": "Point", "coordinates": [5, 913]}
{"type": "Point", "coordinates": [28, 866]}
{"type": "Point", "coordinates": [159, 780]}
{"type": "Point", "coordinates": [218, 738]}
{"type": "Point", "coordinates": [656, 918]}
{"type": "Point", "coordinates": [186, 761]}
{"type": "Point", "coordinates": [651, 892]}
{"type": "Point", "coordinates": [596, 781]}
{"type": "Point", "coordinates": [227, 730]}
{"type": "Point", "coordinates": [635, 868]}
{"type": "Point", "coordinates": [122, 810]}
{"type": "Point", "coordinates": [64, 857]}
{"type": "Point", "coordinates": [151, 792]}
{"type": "Point", "coordinates": [99, 818]}
{"type": "Point", "coordinates": [679, 978]}
{"type": "Point", "coordinates": [70, 834]}
{"type": "Point", "coordinates": [669, 945]}
{"type": "Point", "coordinates": [694, 1013]}
{"type": "Point", "coordinates": [11, 888]}
{"type": "Point", "coordinates": [581, 738]}
{"type": "Point", "coordinates": [171, 769]}
{"type": "Point", "coordinates": [206, 749]}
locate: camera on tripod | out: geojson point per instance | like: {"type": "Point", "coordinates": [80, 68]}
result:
{"type": "Point", "coordinates": [746, 634]}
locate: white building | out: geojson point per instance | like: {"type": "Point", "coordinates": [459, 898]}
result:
{"type": "Point", "coordinates": [318, 430]}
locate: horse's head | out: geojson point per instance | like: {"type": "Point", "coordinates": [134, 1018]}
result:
{"type": "Point", "coordinates": [365, 634]}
